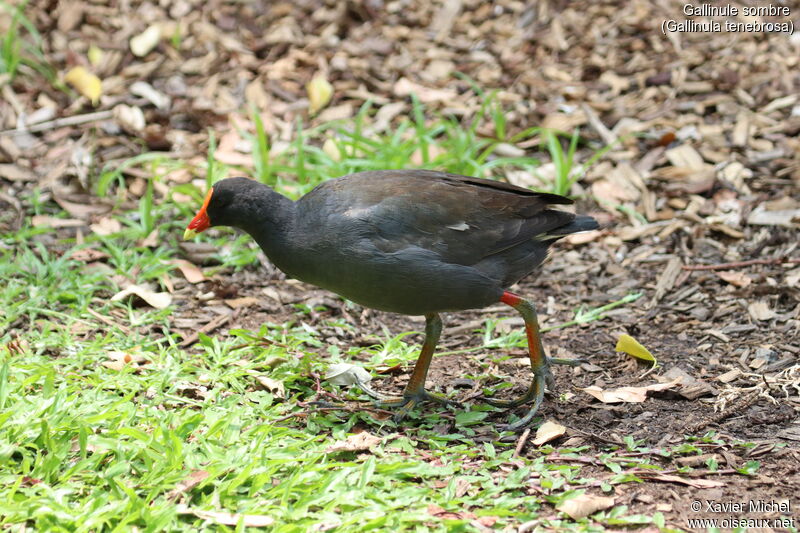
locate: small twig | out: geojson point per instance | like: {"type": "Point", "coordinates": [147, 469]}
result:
{"type": "Point", "coordinates": [521, 441]}
{"type": "Point", "coordinates": [609, 137]}
{"type": "Point", "coordinates": [741, 264]}
{"type": "Point", "coordinates": [107, 321]}
{"type": "Point", "coordinates": [208, 328]}
{"type": "Point", "coordinates": [672, 472]}
{"type": "Point", "coordinates": [306, 412]}
{"type": "Point", "coordinates": [60, 122]}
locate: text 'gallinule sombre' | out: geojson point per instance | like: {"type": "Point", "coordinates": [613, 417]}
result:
{"type": "Point", "coordinates": [416, 242]}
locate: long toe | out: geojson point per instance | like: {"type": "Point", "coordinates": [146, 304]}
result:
{"type": "Point", "coordinates": [373, 393]}
{"type": "Point", "coordinates": [405, 404]}
{"type": "Point", "coordinates": [541, 376]}
{"type": "Point", "coordinates": [537, 387]}
{"type": "Point", "coordinates": [528, 397]}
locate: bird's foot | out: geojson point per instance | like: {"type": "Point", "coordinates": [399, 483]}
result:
{"type": "Point", "coordinates": [542, 378]}
{"type": "Point", "coordinates": [410, 399]}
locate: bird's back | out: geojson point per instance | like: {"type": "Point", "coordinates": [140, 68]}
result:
{"type": "Point", "coordinates": [418, 241]}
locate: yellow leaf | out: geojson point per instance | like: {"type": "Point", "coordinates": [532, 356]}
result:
{"type": "Point", "coordinates": [631, 346]}
{"type": "Point", "coordinates": [85, 83]}
{"type": "Point", "coordinates": [95, 55]}
{"type": "Point", "coordinates": [319, 92]}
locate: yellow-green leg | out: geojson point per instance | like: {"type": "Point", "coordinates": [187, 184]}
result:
{"type": "Point", "coordinates": [415, 392]}
{"type": "Point", "coordinates": [540, 364]}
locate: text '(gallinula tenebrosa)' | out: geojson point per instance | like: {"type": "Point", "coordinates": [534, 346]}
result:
{"type": "Point", "coordinates": [416, 242]}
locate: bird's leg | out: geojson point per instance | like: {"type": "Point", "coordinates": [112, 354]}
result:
{"type": "Point", "coordinates": [540, 364]}
{"type": "Point", "coordinates": [415, 392]}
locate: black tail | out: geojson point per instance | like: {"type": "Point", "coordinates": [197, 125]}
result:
{"type": "Point", "coordinates": [581, 223]}
{"type": "Point", "coordinates": [578, 224]}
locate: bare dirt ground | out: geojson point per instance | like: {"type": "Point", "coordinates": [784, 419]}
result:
{"type": "Point", "coordinates": [699, 200]}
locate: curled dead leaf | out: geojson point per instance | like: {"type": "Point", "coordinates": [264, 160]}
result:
{"type": "Point", "coordinates": [228, 519]}
{"type": "Point", "coordinates": [358, 442]}
{"type": "Point", "coordinates": [191, 481]}
{"type": "Point", "coordinates": [548, 431]}
{"type": "Point", "coordinates": [142, 44]}
{"type": "Point", "coordinates": [119, 359]}
{"type": "Point", "coordinates": [46, 221]}
{"type": "Point", "coordinates": [735, 278]}
{"type": "Point", "coordinates": [627, 394]}
{"type": "Point", "coordinates": [244, 301]}
{"type": "Point", "coordinates": [131, 118]}
{"type": "Point", "coordinates": [272, 385]}
{"type": "Point", "coordinates": [106, 226]}
{"type": "Point", "coordinates": [406, 87]}
{"type": "Point", "coordinates": [159, 300]}
{"type": "Point", "coordinates": [190, 271]}
{"type": "Point", "coordinates": [584, 505]}
{"type": "Point", "coordinates": [760, 311]}
{"type": "Point", "coordinates": [696, 483]}
{"type": "Point", "coordinates": [147, 91]}
{"type": "Point", "coordinates": [87, 255]}
{"type": "Point", "coordinates": [347, 374]}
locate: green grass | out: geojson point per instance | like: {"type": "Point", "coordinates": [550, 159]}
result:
{"type": "Point", "coordinates": [21, 47]}
{"type": "Point", "coordinates": [89, 447]}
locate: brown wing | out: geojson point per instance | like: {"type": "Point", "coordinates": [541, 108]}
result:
{"type": "Point", "coordinates": [462, 219]}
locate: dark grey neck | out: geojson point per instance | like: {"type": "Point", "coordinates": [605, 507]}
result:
{"type": "Point", "coordinates": [268, 217]}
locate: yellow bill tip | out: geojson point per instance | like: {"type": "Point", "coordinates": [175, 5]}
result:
{"type": "Point", "coordinates": [189, 234]}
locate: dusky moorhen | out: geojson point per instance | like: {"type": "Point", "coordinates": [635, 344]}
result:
{"type": "Point", "coordinates": [416, 242]}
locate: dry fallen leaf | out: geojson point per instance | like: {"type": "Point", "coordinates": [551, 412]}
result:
{"type": "Point", "coordinates": [159, 300]}
{"type": "Point", "coordinates": [548, 431]}
{"type": "Point", "coordinates": [244, 301]}
{"type": "Point", "coordinates": [106, 226]}
{"type": "Point", "coordinates": [228, 519]}
{"type": "Point", "coordinates": [189, 270]}
{"type": "Point", "coordinates": [130, 117]}
{"type": "Point", "coordinates": [120, 359]}
{"type": "Point", "coordinates": [696, 483]}
{"type": "Point", "coordinates": [233, 150]}
{"type": "Point", "coordinates": [355, 443]}
{"type": "Point", "coordinates": [793, 277]}
{"type": "Point", "coordinates": [142, 44]}
{"type": "Point", "coordinates": [46, 221]}
{"type": "Point", "coordinates": [147, 91]}
{"type": "Point", "coordinates": [85, 83]}
{"type": "Point", "coordinates": [151, 241]}
{"type": "Point", "coordinates": [405, 87]}
{"type": "Point", "coordinates": [735, 278]}
{"type": "Point", "coordinates": [784, 217]}
{"type": "Point", "coordinates": [583, 237]}
{"type": "Point", "coordinates": [584, 505]}
{"type": "Point", "coordinates": [627, 394]}
{"type": "Point", "coordinates": [272, 385]}
{"type": "Point", "coordinates": [760, 311]}
{"type": "Point", "coordinates": [87, 255]}
{"type": "Point", "coordinates": [347, 374]}
{"type": "Point", "coordinates": [191, 481]}
{"type": "Point", "coordinates": [16, 173]}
